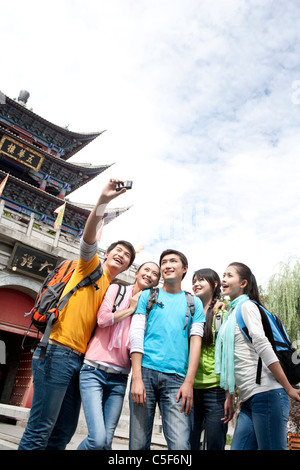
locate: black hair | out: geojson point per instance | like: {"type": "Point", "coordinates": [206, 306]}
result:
{"type": "Point", "coordinates": [128, 245]}
{"type": "Point", "coordinates": [182, 257]}
{"type": "Point", "coordinates": [251, 288]}
{"type": "Point", "coordinates": [212, 278]}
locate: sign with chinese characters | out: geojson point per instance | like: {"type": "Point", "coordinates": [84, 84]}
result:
{"type": "Point", "coordinates": [20, 152]}
{"type": "Point", "coordinates": [34, 263]}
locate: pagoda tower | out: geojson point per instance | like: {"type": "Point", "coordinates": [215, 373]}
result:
{"type": "Point", "coordinates": [37, 178]}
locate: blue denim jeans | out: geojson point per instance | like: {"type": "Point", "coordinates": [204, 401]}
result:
{"type": "Point", "coordinates": [262, 422]}
{"type": "Point", "coordinates": [102, 395]}
{"type": "Point", "coordinates": [56, 400]}
{"type": "Point", "coordinates": [208, 410]}
{"type": "Point", "coordinates": [162, 389]}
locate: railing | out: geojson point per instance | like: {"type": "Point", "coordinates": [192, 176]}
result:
{"type": "Point", "coordinates": [39, 217]}
{"type": "Point", "coordinates": [33, 224]}
{"type": "Point", "coordinates": [13, 216]}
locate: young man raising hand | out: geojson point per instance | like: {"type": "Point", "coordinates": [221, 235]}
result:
{"type": "Point", "coordinates": [56, 398]}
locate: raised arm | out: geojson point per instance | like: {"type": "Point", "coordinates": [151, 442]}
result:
{"type": "Point", "coordinates": [94, 220]}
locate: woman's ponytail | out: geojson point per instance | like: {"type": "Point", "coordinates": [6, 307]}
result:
{"type": "Point", "coordinates": [251, 288]}
{"type": "Point", "coordinates": [214, 280]}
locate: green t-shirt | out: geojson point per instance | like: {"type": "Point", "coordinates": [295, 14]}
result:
{"type": "Point", "coordinates": [205, 375]}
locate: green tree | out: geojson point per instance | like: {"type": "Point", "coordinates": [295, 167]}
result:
{"type": "Point", "coordinates": [282, 296]}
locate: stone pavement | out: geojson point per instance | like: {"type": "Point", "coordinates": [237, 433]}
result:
{"type": "Point", "coordinates": [10, 436]}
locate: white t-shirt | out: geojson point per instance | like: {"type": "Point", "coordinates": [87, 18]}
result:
{"type": "Point", "coordinates": [246, 355]}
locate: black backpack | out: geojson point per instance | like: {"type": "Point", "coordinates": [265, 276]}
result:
{"type": "Point", "coordinates": [152, 300]}
{"type": "Point", "coordinates": [119, 297]}
{"type": "Point", "coordinates": [218, 320]}
{"type": "Point", "coordinates": [281, 344]}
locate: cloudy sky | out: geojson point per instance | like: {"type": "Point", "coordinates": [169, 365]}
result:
{"type": "Point", "coordinates": [200, 101]}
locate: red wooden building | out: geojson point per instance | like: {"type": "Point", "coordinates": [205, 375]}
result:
{"type": "Point", "coordinates": [35, 155]}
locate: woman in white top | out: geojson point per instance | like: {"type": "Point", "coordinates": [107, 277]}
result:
{"type": "Point", "coordinates": [264, 410]}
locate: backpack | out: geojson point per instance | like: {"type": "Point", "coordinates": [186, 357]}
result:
{"type": "Point", "coordinates": [278, 337]}
{"type": "Point", "coordinates": [119, 297]}
{"type": "Point", "coordinates": [152, 300]}
{"type": "Point", "coordinates": [218, 320]}
{"type": "Point", "coordinates": [48, 303]}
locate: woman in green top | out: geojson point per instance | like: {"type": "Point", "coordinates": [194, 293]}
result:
{"type": "Point", "coordinates": [209, 398]}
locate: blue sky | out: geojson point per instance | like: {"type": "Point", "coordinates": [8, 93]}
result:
{"type": "Point", "coordinates": [200, 101]}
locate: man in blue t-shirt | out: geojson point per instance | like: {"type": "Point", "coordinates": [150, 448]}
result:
{"type": "Point", "coordinates": [164, 357]}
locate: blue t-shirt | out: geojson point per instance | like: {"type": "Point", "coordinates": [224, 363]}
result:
{"type": "Point", "coordinates": [166, 345]}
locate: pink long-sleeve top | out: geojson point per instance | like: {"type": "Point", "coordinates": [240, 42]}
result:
{"type": "Point", "coordinates": [110, 344]}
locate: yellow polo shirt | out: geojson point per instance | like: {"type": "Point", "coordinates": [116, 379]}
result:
{"type": "Point", "coordinates": [77, 320]}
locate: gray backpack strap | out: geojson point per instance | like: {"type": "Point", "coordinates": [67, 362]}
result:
{"type": "Point", "coordinates": [152, 300]}
{"type": "Point", "coordinates": [119, 297]}
{"type": "Point", "coordinates": [218, 320]}
{"type": "Point", "coordinates": [190, 308]}
{"type": "Point", "coordinates": [44, 341]}
{"type": "Point", "coordinates": [90, 279]}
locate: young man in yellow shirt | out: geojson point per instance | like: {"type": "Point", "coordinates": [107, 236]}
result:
{"type": "Point", "coordinates": [56, 398]}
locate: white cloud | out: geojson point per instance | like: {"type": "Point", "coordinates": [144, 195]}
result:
{"type": "Point", "coordinates": [201, 106]}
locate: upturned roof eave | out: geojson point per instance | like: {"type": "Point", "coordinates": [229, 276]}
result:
{"type": "Point", "coordinates": [84, 167]}
{"type": "Point", "coordinates": [63, 130]}
{"type": "Point", "coordinates": [85, 138]}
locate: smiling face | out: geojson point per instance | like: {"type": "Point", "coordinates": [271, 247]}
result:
{"type": "Point", "coordinates": [118, 259]}
{"type": "Point", "coordinates": [201, 287]}
{"type": "Point", "coordinates": [172, 268]}
{"type": "Point", "coordinates": [232, 284]}
{"type": "Point", "coordinates": [147, 276]}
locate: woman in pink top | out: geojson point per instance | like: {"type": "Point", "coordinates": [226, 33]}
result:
{"type": "Point", "coordinates": [103, 377]}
